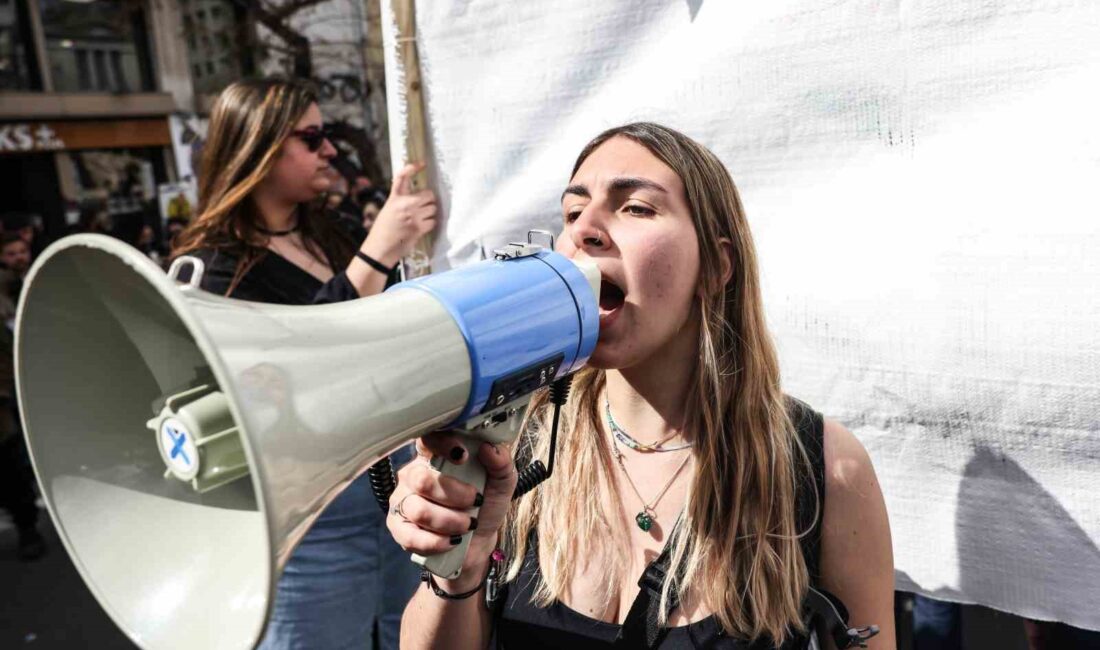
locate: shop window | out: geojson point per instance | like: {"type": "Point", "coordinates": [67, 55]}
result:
{"type": "Point", "coordinates": [99, 60]}
{"type": "Point", "coordinates": [115, 189]}
{"type": "Point", "coordinates": [120, 61]}
{"type": "Point", "coordinates": [18, 65]}
{"type": "Point", "coordinates": [84, 78]}
{"type": "Point", "coordinates": [117, 72]}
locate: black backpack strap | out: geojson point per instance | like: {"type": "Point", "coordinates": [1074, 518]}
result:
{"type": "Point", "coordinates": [642, 628]}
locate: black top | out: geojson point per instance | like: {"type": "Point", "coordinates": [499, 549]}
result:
{"type": "Point", "coordinates": [274, 279]}
{"type": "Point", "coordinates": [521, 624]}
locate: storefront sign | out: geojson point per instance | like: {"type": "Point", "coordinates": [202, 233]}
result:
{"type": "Point", "coordinates": [29, 137]}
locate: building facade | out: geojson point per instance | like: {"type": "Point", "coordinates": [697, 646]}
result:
{"type": "Point", "coordinates": [101, 100]}
{"type": "Point", "coordinates": [87, 93]}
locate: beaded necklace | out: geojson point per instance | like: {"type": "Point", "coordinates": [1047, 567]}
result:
{"type": "Point", "coordinates": [641, 447]}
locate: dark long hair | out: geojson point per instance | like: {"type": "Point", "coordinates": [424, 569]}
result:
{"type": "Point", "coordinates": [249, 123]}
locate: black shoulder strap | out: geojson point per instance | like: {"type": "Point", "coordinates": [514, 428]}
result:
{"type": "Point", "coordinates": [642, 628]}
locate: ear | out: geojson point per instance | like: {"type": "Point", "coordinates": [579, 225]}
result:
{"type": "Point", "coordinates": [725, 251]}
{"type": "Point", "coordinates": [725, 267]}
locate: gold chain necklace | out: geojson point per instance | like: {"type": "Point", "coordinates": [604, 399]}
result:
{"type": "Point", "coordinates": [646, 518]}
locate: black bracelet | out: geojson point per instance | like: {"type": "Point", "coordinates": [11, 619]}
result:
{"type": "Point", "coordinates": [490, 581]}
{"type": "Point", "coordinates": [375, 264]}
{"type": "Point", "coordinates": [426, 576]}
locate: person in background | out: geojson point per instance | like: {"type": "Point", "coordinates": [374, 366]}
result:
{"type": "Point", "coordinates": [94, 218]}
{"type": "Point", "coordinates": [372, 201]}
{"type": "Point", "coordinates": [147, 243]}
{"type": "Point", "coordinates": [17, 494]}
{"type": "Point", "coordinates": [1051, 635]}
{"type": "Point", "coordinates": [15, 256]}
{"type": "Point", "coordinates": [338, 191]}
{"type": "Point", "coordinates": [264, 236]}
{"type": "Point", "coordinates": [25, 226]}
{"type": "Point", "coordinates": [937, 624]}
{"type": "Point", "coordinates": [172, 228]}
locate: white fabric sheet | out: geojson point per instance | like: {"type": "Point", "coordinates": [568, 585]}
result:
{"type": "Point", "coordinates": [921, 178]}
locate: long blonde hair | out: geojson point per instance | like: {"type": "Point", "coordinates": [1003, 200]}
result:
{"type": "Point", "coordinates": [249, 123]}
{"type": "Point", "coordinates": [738, 539]}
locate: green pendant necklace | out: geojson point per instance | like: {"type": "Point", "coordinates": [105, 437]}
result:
{"type": "Point", "coordinates": [646, 518]}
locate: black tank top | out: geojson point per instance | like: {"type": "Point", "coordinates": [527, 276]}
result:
{"type": "Point", "coordinates": [521, 624]}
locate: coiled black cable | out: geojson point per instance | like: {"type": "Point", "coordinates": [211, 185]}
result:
{"type": "Point", "coordinates": [536, 472]}
{"type": "Point", "coordinates": [382, 482]}
{"type": "Point", "coordinates": [529, 478]}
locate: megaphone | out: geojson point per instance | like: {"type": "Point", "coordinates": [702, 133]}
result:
{"type": "Point", "coordinates": [184, 442]}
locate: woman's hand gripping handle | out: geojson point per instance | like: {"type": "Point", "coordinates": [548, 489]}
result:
{"type": "Point", "coordinates": [450, 503]}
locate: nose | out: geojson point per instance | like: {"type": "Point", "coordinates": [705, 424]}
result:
{"type": "Point", "coordinates": [588, 232]}
{"type": "Point", "coordinates": [327, 149]}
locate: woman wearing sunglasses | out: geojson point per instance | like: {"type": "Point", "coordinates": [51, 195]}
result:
{"type": "Point", "coordinates": [264, 236]}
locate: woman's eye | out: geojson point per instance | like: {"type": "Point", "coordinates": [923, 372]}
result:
{"type": "Point", "coordinates": [572, 215]}
{"type": "Point", "coordinates": [639, 210]}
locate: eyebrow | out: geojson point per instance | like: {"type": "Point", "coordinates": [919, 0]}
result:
{"type": "Point", "coordinates": [617, 184]}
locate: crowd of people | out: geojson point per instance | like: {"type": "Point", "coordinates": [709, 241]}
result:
{"type": "Point", "coordinates": [20, 241]}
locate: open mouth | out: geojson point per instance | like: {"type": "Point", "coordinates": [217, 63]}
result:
{"type": "Point", "coordinates": [611, 296]}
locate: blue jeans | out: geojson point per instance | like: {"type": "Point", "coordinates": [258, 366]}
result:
{"type": "Point", "coordinates": [347, 583]}
{"type": "Point", "coordinates": [937, 624]}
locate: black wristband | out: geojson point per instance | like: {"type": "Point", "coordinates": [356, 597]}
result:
{"type": "Point", "coordinates": [426, 576]}
{"type": "Point", "coordinates": [375, 264]}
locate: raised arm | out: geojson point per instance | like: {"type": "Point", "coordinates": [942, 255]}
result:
{"type": "Point", "coordinates": [406, 217]}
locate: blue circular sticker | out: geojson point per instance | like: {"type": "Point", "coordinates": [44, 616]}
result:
{"type": "Point", "coordinates": [178, 448]}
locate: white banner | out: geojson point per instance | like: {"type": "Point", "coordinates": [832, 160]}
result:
{"type": "Point", "coordinates": [921, 180]}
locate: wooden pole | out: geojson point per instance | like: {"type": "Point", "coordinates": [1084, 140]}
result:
{"type": "Point", "coordinates": [418, 263]}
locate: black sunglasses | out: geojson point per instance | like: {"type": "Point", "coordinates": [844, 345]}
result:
{"type": "Point", "coordinates": [313, 137]}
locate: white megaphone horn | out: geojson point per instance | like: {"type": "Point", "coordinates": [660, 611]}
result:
{"type": "Point", "coordinates": [184, 442]}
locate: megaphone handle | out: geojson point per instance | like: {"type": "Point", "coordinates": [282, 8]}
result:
{"type": "Point", "coordinates": [449, 563]}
